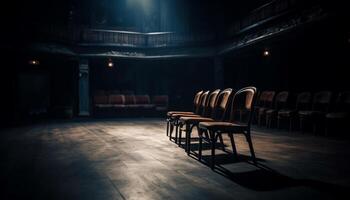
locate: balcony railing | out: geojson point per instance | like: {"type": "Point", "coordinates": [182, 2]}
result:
{"type": "Point", "coordinates": [102, 37]}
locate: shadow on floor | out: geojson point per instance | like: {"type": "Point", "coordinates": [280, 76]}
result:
{"type": "Point", "coordinates": [265, 179]}
{"type": "Point", "coordinates": [260, 177]}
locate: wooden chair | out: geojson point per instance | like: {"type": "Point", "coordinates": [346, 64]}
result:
{"type": "Point", "coordinates": [320, 105]}
{"type": "Point", "coordinates": [244, 98]}
{"type": "Point", "coordinates": [339, 117]}
{"type": "Point", "coordinates": [302, 102]}
{"type": "Point", "coordinates": [267, 104]}
{"type": "Point", "coordinates": [215, 111]}
{"type": "Point", "coordinates": [174, 118]}
{"type": "Point", "coordinates": [281, 101]}
{"type": "Point", "coordinates": [196, 102]}
{"type": "Point", "coordinates": [202, 110]}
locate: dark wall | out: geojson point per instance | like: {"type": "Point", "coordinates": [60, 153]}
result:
{"type": "Point", "coordinates": [36, 91]}
{"type": "Point", "coordinates": [178, 78]}
{"type": "Point", "coordinates": [309, 58]}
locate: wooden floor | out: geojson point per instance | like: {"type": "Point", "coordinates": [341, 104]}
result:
{"type": "Point", "coordinates": [133, 159]}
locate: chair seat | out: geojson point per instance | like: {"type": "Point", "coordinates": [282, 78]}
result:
{"type": "Point", "coordinates": [177, 116]}
{"type": "Point", "coordinates": [337, 115]}
{"type": "Point", "coordinates": [286, 113]}
{"type": "Point", "coordinates": [262, 110]}
{"type": "Point", "coordinates": [195, 119]}
{"type": "Point", "coordinates": [271, 112]}
{"type": "Point", "coordinates": [310, 113]}
{"type": "Point", "coordinates": [223, 127]}
{"type": "Point", "coordinates": [146, 106]}
{"type": "Point", "coordinates": [103, 105]}
{"type": "Point", "coordinates": [178, 112]}
{"type": "Point", "coordinates": [118, 106]}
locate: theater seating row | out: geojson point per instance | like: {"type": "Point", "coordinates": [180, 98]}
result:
{"type": "Point", "coordinates": [214, 114]}
{"type": "Point", "coordinates": [321, 112]}
{"type": "Point", "coordinates": [129, 105]}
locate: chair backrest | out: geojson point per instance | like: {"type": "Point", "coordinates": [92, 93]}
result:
{"type": "Point", "coordinates": [221, 104]}
{"type": "Point", "coordinates": [101, 99]}
{"type": "Point", "coordinates": [266, 98]}
{"type": "Point", "coordinates": [142, 99]}
{"type": "Point", "coordinates": [160, 100]}
{"type": "Point", "coordinates": [303, 101]}
{"type": "Point", "coordinates": [196, 101]}
{"type": "Point", "coordinates": [116, 99]}
{"type": "Point", "coordinates": [321, 101]}
{"type": "Point", "coordinates": [269, 99]}
{"type": "Point", "coordinates": [210, 103]}
{"type": "Point", "coordinates": [343, 102]}
{"type": "Point", "coordinates": [129, 99]}
{"type": "Point", "coordinates": [281, 99]}
{"type": "Point", "coordinates": [243, 100]}
{"type": "Point", "coordinates": [262, 98]}
{"type": "Point", "coordinates": [203, 102]}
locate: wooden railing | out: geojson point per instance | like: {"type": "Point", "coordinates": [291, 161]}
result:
{"type": "Point", "coordinates": [87, 36]}
{"type": "Point", "coordinates": [282, 10]}
{"type": "Point", "coordinates": [264, 13]}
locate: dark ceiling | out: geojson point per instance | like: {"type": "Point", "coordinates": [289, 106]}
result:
{"type": "Point", "coordinates": [60, 11]}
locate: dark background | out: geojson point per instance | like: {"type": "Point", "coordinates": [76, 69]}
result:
{"type": "Point", "coordinates": [313, 57]}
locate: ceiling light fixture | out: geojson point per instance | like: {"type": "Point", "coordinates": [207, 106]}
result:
{"type": "Point", "coordinates": [110, 63]}
{"type": "Point", "coordinates": [34, 62]}
{"type": "Point", "coordinates": [266, 53]}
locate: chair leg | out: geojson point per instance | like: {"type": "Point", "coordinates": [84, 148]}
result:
{"type": "Point", "coordinates": [326, 128]}
{"type": "Point", "coordinates": [301, 125]}
{"type": "Point", "coordinates": [314, 128]}
{"type": "Point", "coordinates": [278, 122]}
{"type": "Point", "coordinates": [221, 141]}
{"type": "Point", "coordinates": [176, 133]}
{"type": "Point", "coordinates": [207, 135]}
{"type": "Point", "coordinates": [213, 141]}
{"type": "Point", "coordinates": [250, 143]}
{"type": "Point", "coordinates": [167, 128]}
{"type": "Point", "coordinates": [200, 146]}
{"type": "Point", "coordinates": [267, 121]}
{"type": "Point", "coordinates": [188, 139]}
{"type": "Point", "coordinates": [234, 149]}
{"type": "Point", "coordinates": [290, 124]}
{"type": "Point", "coordinates": [171, 129]}
{"type": "Point", "coordinates": [180, 137]}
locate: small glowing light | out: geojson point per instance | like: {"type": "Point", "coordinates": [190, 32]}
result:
{"type": "Point", "coordinates": [110, 63]}
{"type": "Point", "coordinates": [266, 53]}
{"type": "Point", "coordinates": [34, 62]}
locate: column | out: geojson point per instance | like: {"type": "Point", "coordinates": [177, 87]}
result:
{"type": "Point", "coordinates": [84, 96]}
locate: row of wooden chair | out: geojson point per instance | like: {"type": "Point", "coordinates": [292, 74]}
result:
{"type": "Point", "coordinates": [316, 108]}
{"type": "Point", "coordinates": [209, 117]}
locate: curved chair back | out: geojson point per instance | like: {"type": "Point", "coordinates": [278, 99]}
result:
{"type": "Point", "coordinates": [269, 99]}
{"type": "Point", "coordinates": [196, 101]}
{"type": "Point", "coordinates": [281, 99]}
{"type": "Point", "coordinates": [210, 104]}
{"type": "Point", "coordinates": [203, 102]}
{"type": "Point", "coordinates": [343, 102]}
{"type": "Point", "coordinates": [321, 101]}
{"type": "Point", "coordinates": [303, 101]}
{"type": "Point", "coordinates": [262, 98]}
{"type": "Point", "coordinates": [221, 104]}
{"type": "Point", "coordinates": [244, 99]}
